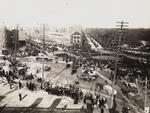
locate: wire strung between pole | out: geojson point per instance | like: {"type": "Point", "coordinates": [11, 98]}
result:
{"type": "Point", "coordinates": [122, 24]}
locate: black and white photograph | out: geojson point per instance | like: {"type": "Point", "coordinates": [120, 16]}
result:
{"type": "Point", "coordinates": [74, 56]}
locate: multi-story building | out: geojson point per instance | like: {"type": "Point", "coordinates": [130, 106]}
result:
{"type": "Point", "coordinates": [76, 39]}
{"type": "Point", "coordinates": [14, 38]}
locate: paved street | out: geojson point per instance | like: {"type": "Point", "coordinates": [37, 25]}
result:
{"type": "Point", "coordinates": [31, 100]}
{"type": "Point", "coordinates": [34, 101]}
{"type": "Point", "coordinates": [40, 100]}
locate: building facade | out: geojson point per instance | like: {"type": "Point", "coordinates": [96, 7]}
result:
{"type": "Point", "coordinates": [14, 38]}
{"type": "Point", "coordinates": [76, 39]}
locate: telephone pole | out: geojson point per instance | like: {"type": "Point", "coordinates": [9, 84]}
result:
{"type": "Point", "coordinates": [145, 100]}
{"type": "Point", "coordinates": [144, 93]}
{"type": "Point", "coordinates": [146, 103]}
{"type": "Point", "coordinates": [122, 24]}
{"type": "Point", "coordinates": [43, 54]}
{"type": "Point", "coordinates": [16, 40]}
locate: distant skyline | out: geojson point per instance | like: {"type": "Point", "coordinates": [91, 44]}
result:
{"type": "Point", "coordinates": [87, 13]}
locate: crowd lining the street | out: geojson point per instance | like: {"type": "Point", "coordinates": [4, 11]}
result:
{"type": "Point", "coordinates": [123, 73]}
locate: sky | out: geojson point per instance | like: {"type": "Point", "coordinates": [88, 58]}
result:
{"type": "Point", "coordinates": [87, 13]}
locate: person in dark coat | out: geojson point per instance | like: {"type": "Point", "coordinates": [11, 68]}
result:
{"type": "Point", "coordinates": [20, 96]}
{"type": "Point", "coordinates": [27, 84]}
{"type": "Point", "coordinates": [114, 104]}
{"type": "Point", "coordinates": [20, 85]}
{"type": "Point", "coordinates": [101, 102]}
{"type": "Point", "coordinates": [102, 110]}
{"type": "Point", "coordinates": [10, 85]}
{"type": "Point", "coordinates": [30, 85]}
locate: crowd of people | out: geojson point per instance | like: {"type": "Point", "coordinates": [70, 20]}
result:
{"type": "Point", "coordinates": [92, 100]}
{"type": "Point", "coordinates": [89, 99]}
{"type": "Point", "coordinates": [31, 86]}
{"type": "Point", "coordinates": [8, 72]}
{"type": "Point", "coordinates": [75, 93]}
{"type": "Point", "coordinates": [69, 90]}
{"type": "Point", "coordinates": [27, 51]}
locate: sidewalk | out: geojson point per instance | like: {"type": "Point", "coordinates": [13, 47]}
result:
{"type": "Point", "coordinates": [40, 99]}
{"type": "Point", "coordinates": [36, 101]}
{"type": "Point", "coordinates": [9, 98]}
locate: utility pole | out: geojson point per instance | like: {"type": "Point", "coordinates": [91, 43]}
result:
{"type": "Point", "coordinates": [121, 25]}
{"type": "Point", "coordinates": [43, 54]}
{"type": "Point", "coordinates": [16, 40]}
{"type": "Point", "coordinates": [146, 100]}
{"type": "Point", "coordinates": [145, 103]}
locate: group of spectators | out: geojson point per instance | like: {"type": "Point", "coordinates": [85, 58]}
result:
{"type": "Point", "coordinates": [92, 100]}
{"type": "Point", "coordinates": [8, 73]}
{"type": "Point", "coordinates": [89, 99]}
{"type": "Point", "coordinates": [69, 91]}
{"type": "Point", "coordinates": [27, 51]}
{"type": "Point", "coordinates": [31, 86]}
